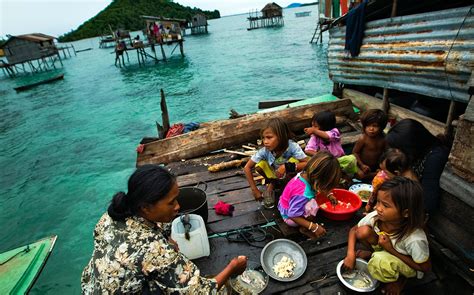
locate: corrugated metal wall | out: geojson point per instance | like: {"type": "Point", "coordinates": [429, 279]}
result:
{"type": "Point", "coordinates": [430, 54]}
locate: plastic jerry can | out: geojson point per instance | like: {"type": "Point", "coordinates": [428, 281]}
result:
{"type": "Point", "coordinates": [198, 244]}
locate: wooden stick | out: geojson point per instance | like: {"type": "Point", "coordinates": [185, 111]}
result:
{"type": "Point", "coordinates": [164, 113]}
{"type": "Point", "coordinates": [227, 165]}
{"type": "Point", "coordinates": [239, 153]}
{"type": "Point", "coordinates": [248, 147]}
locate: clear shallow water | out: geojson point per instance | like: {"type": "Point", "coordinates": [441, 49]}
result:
{"type": "Point", "coordinates": [67, 147]}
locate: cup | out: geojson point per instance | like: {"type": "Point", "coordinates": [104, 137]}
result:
{"type": "Point", "coordinates": [268, 199]}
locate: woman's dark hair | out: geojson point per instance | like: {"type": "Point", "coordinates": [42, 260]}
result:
{"type": "Point", "coordinates": [412, 138]}
{"type": "Point", "coordinates": [147, 185]}
{"type": "Point", "coordinates": [407, 195]}
{"type": "Point", "coordinates": [281, 130]}
{"type": "Point", "coordinates": [374, 116]}
{"type": "Point", "coordinates": [326, 120]}
{"type": "Point", "coordinates": [395, 161]}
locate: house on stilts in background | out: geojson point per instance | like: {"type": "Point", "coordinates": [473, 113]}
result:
{"type": "Point", "coordinates": [158, 31]}
{"type": "Point", "coordinates": [198, 24]}
{"type": "Point", "coordinates": [417, 61]}
{"type": "Point", "coordinates": [271, 16]}
{"type": "Point", "coordinates": [32, 53]}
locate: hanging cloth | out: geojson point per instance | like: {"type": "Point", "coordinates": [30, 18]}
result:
{"type": "Point", "coordinates": [355, 26]}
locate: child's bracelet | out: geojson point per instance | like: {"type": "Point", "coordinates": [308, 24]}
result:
{"type": "Point", "coordinates": [310, 225]}
{"type": "Point", "coordinates": [316, 229]}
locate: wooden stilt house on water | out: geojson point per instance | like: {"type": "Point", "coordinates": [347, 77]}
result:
{"type": "Point", "coordinates": [271, 16]}
{"type": "Point", "coordinates": [32, 53]}
{"type": "Point", "coordinates": [158, 31]}
{"type": "Point", "coordinates": [419, 61]}
{"type": "Point", "coordinates": [198, 24]}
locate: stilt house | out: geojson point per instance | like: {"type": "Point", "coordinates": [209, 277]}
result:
{"type": "Point", "coordinates": [24, 48]}
{"type": "Point", "coordinates": [198, 24]}
{"type": "Point", "coordinates": [271, 16]}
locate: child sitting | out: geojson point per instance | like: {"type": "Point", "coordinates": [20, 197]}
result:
{"type": "Point", "coordinates": [270, 160]}
{"type": "Point", "coordinates": [297, 203]}
{"type": "Point", "coordinates": [393, 163]}
{"type": "Point", "coordinates": [395, 233]}
{"type": "Point", "coordinates": [324, 135]}
{"type": "Point", "coordinates": [371, 145]}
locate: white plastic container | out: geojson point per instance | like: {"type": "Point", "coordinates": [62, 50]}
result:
{"type": "Point", "coordinates": [198, 244]}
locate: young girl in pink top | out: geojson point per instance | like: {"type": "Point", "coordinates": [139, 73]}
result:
{"type": "Point", "coordinates": [297, 203]}
{"type": "Point", "coordinates": [324, 135]}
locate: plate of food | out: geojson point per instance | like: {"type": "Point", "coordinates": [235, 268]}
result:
{"type": "Point", "coordinates": [363, 190]}
{"type": "Point", "coordinates": [252, 281]}
{"type": "Point", "coordinates": [357, 279]}
{"type": "Point", "coordinates": [283, 260]}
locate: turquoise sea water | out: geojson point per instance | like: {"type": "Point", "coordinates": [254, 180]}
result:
{"type": "Point", "coordinates": [67, 147]}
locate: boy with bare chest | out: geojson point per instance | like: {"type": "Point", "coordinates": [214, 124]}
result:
{"type": "Point", "coordinates": [371, 145]}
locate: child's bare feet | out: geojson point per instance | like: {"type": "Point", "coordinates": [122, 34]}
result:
{"type": "Point", "coordinates": [394, 288]}
{"type": "Point", "coordinates": [364, 254]}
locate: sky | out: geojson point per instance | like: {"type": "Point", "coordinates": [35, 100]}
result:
{"type": "Point", "coordinates": [61, 16]}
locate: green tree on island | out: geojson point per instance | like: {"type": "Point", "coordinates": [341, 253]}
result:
{"type": "Point", "coordinates": [126, 14]}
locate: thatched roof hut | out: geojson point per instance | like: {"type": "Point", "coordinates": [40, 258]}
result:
{"type": "Point", "coordinates": [272, 10]}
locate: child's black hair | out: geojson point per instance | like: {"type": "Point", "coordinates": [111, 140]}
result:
{"type": "Point", "coordinates": [407, 196]}
{"type": "Point", "coordinates": [374, 116]}
{"type": "Point", "coordinates": [326, 120]}
{"type": "Point", "coordinates": [396, 161]}
{"type": "Point", "coordinates": [281, 130]}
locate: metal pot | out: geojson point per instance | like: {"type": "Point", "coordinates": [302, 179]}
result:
{"type": "Point", "coordinates": [193, 200]}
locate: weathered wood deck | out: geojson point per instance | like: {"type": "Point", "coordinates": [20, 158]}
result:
{"type": "Point", "coordinates": [323, 255]}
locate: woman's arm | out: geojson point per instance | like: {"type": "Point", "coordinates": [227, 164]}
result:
{"type": "Point", "coordinates": [248, 174]}
{"type": "Point", "coordinates": [235, 267]}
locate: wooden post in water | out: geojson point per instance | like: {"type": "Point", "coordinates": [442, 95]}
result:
{"type": "Point", "coordinates": [162, 51]}
{"type": "Point", "coordinates": [164, 113]}
{"type": "Point", "coordinates": [181, 49]}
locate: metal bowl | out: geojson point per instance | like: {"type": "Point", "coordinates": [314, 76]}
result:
{"type": "Point", "coordinates": [360, 265]}
{"type": "Point", "coordinates": [242, 287]}
{"type": "Point", "coordinates": [276, 250]}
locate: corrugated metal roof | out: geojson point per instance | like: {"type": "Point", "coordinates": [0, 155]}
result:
{"type": "Point", "coordinates": [429, 53]}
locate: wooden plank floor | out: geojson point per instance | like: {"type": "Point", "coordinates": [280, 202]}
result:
{"type": "Point", "coordinates": [323, 255]}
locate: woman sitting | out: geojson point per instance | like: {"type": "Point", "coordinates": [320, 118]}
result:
{"type": "Point", "coordinates": [133, 251]}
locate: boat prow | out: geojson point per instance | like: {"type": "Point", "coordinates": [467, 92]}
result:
{"type": "Point", "coordinates": [20, 267]}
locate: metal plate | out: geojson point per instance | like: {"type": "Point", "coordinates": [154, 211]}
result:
{"type": "Point", "coordinates": [361, 187]}
{"type": "Point", "coordinates": [360, 265]}
{"type": "Point", "coordinates": [276, 250]}
{"type": "Point", "coordinates": [245, 288]}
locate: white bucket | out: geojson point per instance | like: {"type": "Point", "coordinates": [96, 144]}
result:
{"type": "Point", "coordinates": [198, 244]}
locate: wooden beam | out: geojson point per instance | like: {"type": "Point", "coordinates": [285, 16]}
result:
{"type": "Point", "coordinates": [164, 113]}
{"type": "Point", "coordinates": [275, 103]}
{"type": "Point", "coordinates": [365, 102]}
{"type": "Point", "coordinates": [227, 133]}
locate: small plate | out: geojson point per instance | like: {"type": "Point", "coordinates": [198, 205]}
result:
{"type": "Point", "coordinates": [356, 188]}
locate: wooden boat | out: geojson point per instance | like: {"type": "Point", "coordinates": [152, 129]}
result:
{"type": "Point", "coordinates": [222, 134]}
{"type": "Point", "coordinates": [302, 14]}
{"type": "Point", "coordinates": [20, 267]}
{"type": "Point", "coordinates": [29, 86]}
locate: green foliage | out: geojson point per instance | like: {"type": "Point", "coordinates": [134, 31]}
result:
{"type": "Point", "coordinates": [125, 14]}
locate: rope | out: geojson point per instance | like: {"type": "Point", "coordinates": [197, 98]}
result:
{"type": "Point", "coordinates": [249, 235]}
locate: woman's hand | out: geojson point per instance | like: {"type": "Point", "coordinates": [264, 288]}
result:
{"type": "Point", "coordinates": [385, 242]}
{"type": "Point", "coordinates": [349, 262]}
{"type": "Point", "coordinates": [174, 244]}
{"type": "Point", "coordinates": [238, 264]}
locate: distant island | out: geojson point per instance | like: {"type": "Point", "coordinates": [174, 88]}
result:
{"type": "Point", "coordinates": [125, 14]}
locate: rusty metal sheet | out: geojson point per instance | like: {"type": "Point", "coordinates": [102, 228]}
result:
{"type": "Point", "coordinates": [428, 53]}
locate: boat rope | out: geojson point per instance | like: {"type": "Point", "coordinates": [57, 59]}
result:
{"type": "Point", "coordinates": [26, 250]}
